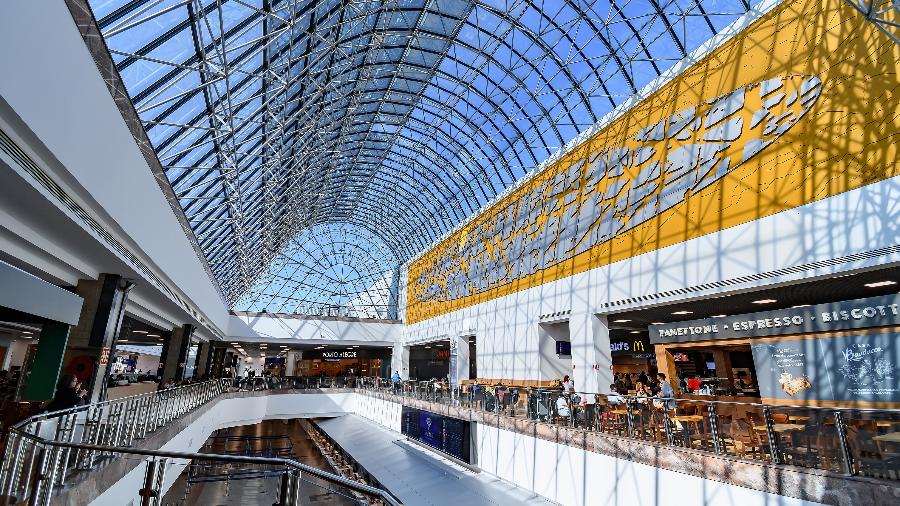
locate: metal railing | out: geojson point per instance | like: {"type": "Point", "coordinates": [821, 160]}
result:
{"type": "Point", "coordinates": [47, 451]}
{"type": "Point", "coordinates": [849, 441]}
{"type": "Point", "coordinates": [51, 450]}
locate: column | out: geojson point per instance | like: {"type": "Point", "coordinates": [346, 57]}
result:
{"type": "Point", "coordinates": [591, 356]}
{"type": "Point", "coordinates": [174, 354]}
{"type": "Point", "coordinates": [290, 363]}
{"type": "Point", "coordinates": [48, 361]}
{"type": "Point", "coordinates": [200, 360]}
{"type": "Point", "coordinates": [400, 360]}
{"type": "Point", "coordinates": [459, 359]}
{"type": "Point", "coordinates": [218, 360]}
{"type": "Point", "coordinates": [92, 341]}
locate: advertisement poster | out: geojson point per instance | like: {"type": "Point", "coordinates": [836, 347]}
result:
{"type": "Point", "coordinates": [859, 368]}
{"type": "Point", "coordinates": [431, 429]}
{"type": "Point", "coordinates": [451, 436]}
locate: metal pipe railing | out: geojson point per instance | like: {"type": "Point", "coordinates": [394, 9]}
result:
{"type": "Point", "coordinates": [44, 451]}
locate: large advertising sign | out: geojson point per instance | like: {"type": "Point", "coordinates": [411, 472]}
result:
{"type": "Point", "coordinates": [783, 114]}
{"type": "Point", "coordinates": [448, 435]}
{"type": "Point", "coordinates": [859, 369]}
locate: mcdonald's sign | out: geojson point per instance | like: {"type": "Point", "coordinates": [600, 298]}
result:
{"type": "Point", "coordinates": [630, 346]}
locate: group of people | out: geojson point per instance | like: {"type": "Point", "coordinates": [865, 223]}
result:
{"type": "Point", "coordinates": [641, 387]}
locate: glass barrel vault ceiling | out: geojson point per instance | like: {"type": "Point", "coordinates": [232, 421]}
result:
{"type": "Point", "coordinates": [283, 125]}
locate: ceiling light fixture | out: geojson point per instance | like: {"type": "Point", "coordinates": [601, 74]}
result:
{"type": "Point", "coordinates": [683, 312]}
{"type": "Point", "coordinates": [621, 321]}
{"type": "Point", "coordinates": [800, 305]}
{"type": "Point", "coordinates": [718, 316]}
{"type": "Point", "coordinates": [880, 283]}
{"type": "Point", "coordinates": [635, 331]}
{"type": "Point", "coordinates": [764, 301]}
{"type": "Point", "coordinates": [657, 323]}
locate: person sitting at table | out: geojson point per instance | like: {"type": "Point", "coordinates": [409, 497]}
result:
{"type": "Point", "coordinates": [614, 398]}
{"type": "Point", "coordinates": [562, 407]}
{"type": "Point", "coordinates": [640, 393]}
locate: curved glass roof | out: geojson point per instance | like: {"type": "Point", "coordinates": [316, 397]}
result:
{"type": "Point", "coordinates": [283, 123]}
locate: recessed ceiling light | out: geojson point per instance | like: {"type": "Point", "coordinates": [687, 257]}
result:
{"type": "Point", "coordinates": [234, 344]}
{"type": "Point", "coordinates": [153, 335]}
{"type": "Point", "coordinates": [657, 323]}
{"type": "Point", "coordinates": [683, 312]}
{"type": "Point", "coordinates": [635, 331]}
{"type": "Point", "coordinates": [139, 331]}
{"type": "Point", "coordinates": [718, 316]}
{"type": "Point", "coordinates": [621, 321]}
{"type": "Point", "coordinates": [881, 283]}
{"type": "Point", "coordinates": [800, 305]}
{"type": "Point", "coordinates": [764, 301]}
{"type": "Point", "coordinates": [427, 347]}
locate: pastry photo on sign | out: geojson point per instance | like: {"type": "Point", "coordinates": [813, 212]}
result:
{"type": "Point", "coordinates": [793, 385]}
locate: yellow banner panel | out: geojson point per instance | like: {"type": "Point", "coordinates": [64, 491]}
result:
{"type": "Point", "coordinates": [801, 106]}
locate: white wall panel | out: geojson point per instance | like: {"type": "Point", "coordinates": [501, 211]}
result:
{"type": "Point", "coordinates": [857, 221]}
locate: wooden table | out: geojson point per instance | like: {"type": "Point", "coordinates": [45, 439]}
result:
{"type": "Point", "coordinates": [886, 423]}
{"type": "Point", "coordinates": [798, 418]}
{"type": "Point", "coordinates": [687, 418]}
{"type": "Point", "coordinates": [780, 427]}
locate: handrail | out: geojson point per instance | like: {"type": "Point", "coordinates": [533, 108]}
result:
{"type": "Point", "coordinates": [168, 391]}
{"type": "Point", "coordinates": [333, 478]}
{"type": "Point", "coordinates": [108, 428]}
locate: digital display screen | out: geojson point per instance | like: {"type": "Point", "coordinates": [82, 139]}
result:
{"type": "Point", "coordinates": [448, 435]}
{"type": "Point", "coordinates": [563, 348]}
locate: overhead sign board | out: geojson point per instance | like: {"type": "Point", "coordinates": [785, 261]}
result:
{"type": "Point", "coordinates": [852, 314]}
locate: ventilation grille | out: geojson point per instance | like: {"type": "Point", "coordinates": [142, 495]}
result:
{"type": "Point", "coordinates": [855, 257]}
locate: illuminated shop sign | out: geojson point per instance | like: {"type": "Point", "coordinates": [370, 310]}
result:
{"type": "Point", "coordinates": [693, 158]}
{"type": "Point", "coordinates": [633, 346]}
{"type": "Point", "coordinates": [339, 354]}
{"type": "Point", "coordinates": [852, 314]}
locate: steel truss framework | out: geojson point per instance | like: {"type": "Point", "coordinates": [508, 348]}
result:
{"type": "Point", "coordinates": [285, 124]}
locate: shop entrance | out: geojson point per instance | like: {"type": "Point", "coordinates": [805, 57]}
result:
{"type": "Point", "coordinates": [430, 360]}
{"type": "Point", "coordinates": [707, 369]}
{"type": "Point", "coordinates": [333, 361]}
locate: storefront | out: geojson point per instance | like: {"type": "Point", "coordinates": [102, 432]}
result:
{"type": "Point", "coordinates": [834, 354]}
{"type": "Point", "coordinates": [429, 361]}
{"type": "Point", "coordinates": [631, 353]}
{"type": "Point", "coordinates": [334, 362]}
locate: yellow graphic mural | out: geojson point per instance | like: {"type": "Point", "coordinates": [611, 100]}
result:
{"type": "Point", "coordinates": [801, 106]}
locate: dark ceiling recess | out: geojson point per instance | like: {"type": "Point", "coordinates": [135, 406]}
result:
{"type": "Point", "coordinates": [830, 289]}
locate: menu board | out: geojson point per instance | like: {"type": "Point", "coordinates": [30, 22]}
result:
{"type": "Point", "coordinates": [860, 368]}
{"type": "Point", "coordinates": [448, 435]}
